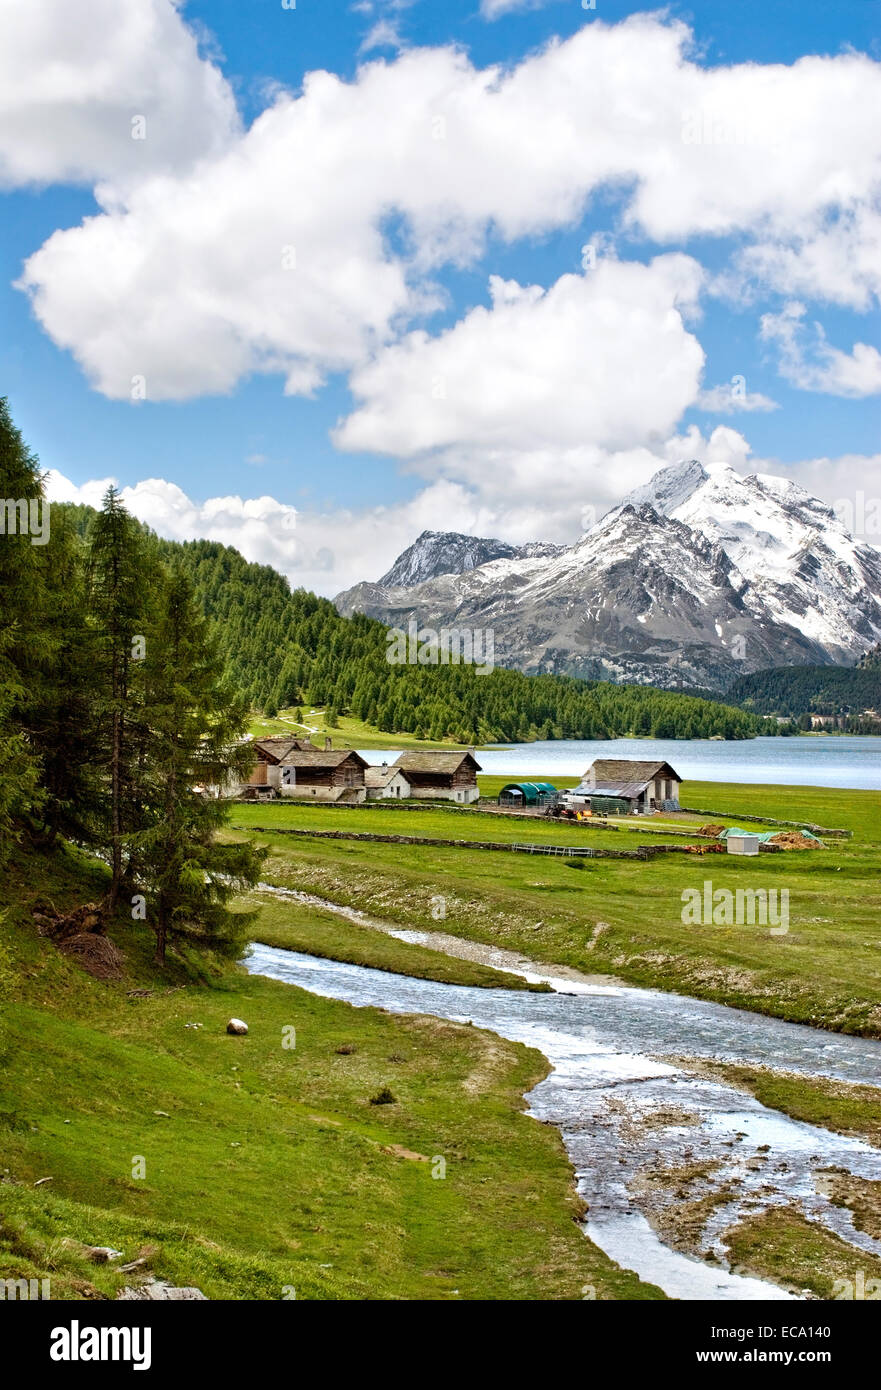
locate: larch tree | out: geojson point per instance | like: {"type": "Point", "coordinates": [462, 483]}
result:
{"type": "Point", "coordinates": [120, 591]}
{"type": "Point", "coordinates": [196, 758]}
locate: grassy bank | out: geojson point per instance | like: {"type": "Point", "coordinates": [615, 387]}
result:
{"type": "Point", "coordinates": [783, 1246]}
{"type": "Point", "coordinates": [841, 1106]}
{"type": "Point", "coordinates": [448, 823]}
{"type": "Point", "coordinates": [265, 1168]}
{"type": "Point", "coordinates": [824, 970]}
{"type": "Point", "coordinates": [301, 927]}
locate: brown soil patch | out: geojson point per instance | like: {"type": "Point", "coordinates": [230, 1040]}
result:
{"type": "Point", "coordinates": [678, 1202]}
{"type": "Point", "coordinates": [793, 839]}
{"type": "Point", "coordinates": [398, 1151]}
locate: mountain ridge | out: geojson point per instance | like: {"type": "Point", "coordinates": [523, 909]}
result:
{"type": "Point", "coordinates": [699, 576]}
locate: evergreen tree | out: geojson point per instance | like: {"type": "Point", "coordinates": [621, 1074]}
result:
{"type": "Point", "coordinates": [24, 644]}
{"type": "Point", "coordinates": [64, 727]}
{"type": "Point", "coordinates": [195, 755]}
{"type": "Point", "coordinates": [119, 591]}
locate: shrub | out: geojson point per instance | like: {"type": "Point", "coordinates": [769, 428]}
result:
{"type": "Point", "coordinates": [383, 1097]}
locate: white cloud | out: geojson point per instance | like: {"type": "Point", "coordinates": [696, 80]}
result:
{"type": "Point", "coordinates": [542, 384]}
{"type": "Point", "coordinates": [182, 280]}
{"type": "Point", "coordinates": [74, 77]}
{"type": "Point", "coordinates": [835, 258]}
{"type": "Point", "coordinates": [493, 9]}
{"type": "Point", "coordinates": [384, 34]}
{"type": "Point", "coordinates": [809, 362]}
{"type": "Point", "coordinates": [731, 398]}
{"type": "Point", "coordinates": [304, 546]}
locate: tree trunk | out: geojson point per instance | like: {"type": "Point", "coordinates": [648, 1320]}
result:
{"type": "Point", "coordinates": [115, 835]}
{"type": "Point", "coordinates": [161, 933]}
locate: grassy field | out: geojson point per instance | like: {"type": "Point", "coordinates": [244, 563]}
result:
{"type": "Point", "coordinates": [625, 917]}
{"type": "Point", "coordinates": [449, 823]}
{"type": "Point", "coordinates": [267, 1168]}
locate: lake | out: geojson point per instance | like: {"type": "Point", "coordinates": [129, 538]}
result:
{"type": "Point", "coordinates": [833, 760]}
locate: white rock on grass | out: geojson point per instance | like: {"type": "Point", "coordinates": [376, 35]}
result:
{"type": "Point", "coordinates": [157, 1291]}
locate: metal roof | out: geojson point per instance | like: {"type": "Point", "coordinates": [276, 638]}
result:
{"type": "Point", "coordinates": [628, 790]}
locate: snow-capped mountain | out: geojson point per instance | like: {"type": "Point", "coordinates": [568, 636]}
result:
{"type": "Point", "coordinates": [449, 552]}
{"type": "Point", "coordinates": [432, 554]}
{"type": "Point", "coordinates": [695, 579]}
{"type": "Point", "coordinates": [801, 565]}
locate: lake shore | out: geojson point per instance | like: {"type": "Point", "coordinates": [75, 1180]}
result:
{"type": "Point", "coordinates": [850, 761]}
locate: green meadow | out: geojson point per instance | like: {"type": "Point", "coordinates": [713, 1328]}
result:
{"type": "Point", "coordinates": [256, 1170]}
{"type": "Point", "coordinates": [619, 916]}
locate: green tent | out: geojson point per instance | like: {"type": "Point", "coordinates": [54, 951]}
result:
{"type": "Point", "coordinates": [527, 793]}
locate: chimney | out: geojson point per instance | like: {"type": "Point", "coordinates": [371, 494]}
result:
{"type": "Point", "coordinates": [385, 764]}
{"type": "Point", "coordinates": [328, 744]}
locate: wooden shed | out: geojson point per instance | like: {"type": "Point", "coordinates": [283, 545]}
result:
{"type": "Point", "coordinates": [326, 774]}
{"type": "Point", "coordinates": [442, 776]}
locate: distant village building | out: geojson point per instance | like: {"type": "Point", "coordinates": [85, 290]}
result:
{"type": "Point", "coordinates": [285, 766]}
{"type": "Point", "coordinates": [629, 785]}
{"type": "Point", "coordinates": [386, 783]}
{"type": "Point", "coordinates": [293, 767]}
{"type": "Point", "coordinates": [438, 775]}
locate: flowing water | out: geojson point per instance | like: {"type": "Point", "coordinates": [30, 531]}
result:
{"type": "Point", "coordinates": [644, 1131]}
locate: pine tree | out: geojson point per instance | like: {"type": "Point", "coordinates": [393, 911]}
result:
{"type": "Point", "coordinates": [195, 755]}
{"type": "Point", "coordinates": [120, 587]}
{"type": "Point", "coordinates": [24, 645]}
{"type": "Point", "coordinates": [63, 720]}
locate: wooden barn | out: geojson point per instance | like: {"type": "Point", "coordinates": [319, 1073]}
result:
{"type": "Point", "coordinates": [627, 784]}
{"type": "Point", "coordinates": [328, 775]}
{"type": "Point", "coordinates": [293, 767]}
{"type": "Point", "coordinates": [265, 778]}
{"type": "Point", "coordinates": [441, 776]}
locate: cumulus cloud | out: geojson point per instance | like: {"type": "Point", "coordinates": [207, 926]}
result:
{"type": "Point", "coordinates": [809, 362]}
{"type": "Point", "coordinates": [304, 546]}
{"type": "Point", "coordinates": [835, 258]}
{"type": "Point", "coordinates": [100, 90]}
{"type": "Point", "coordinates": [271, 255]}
{"type": "Point", "coordinates": [539, 388]}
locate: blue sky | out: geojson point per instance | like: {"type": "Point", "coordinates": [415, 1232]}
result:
{"type": "Point", "coordinates": [249, 438]}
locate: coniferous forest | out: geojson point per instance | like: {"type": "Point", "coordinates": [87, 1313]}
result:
{"type": "Point", "coordinates": [114, 714]}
